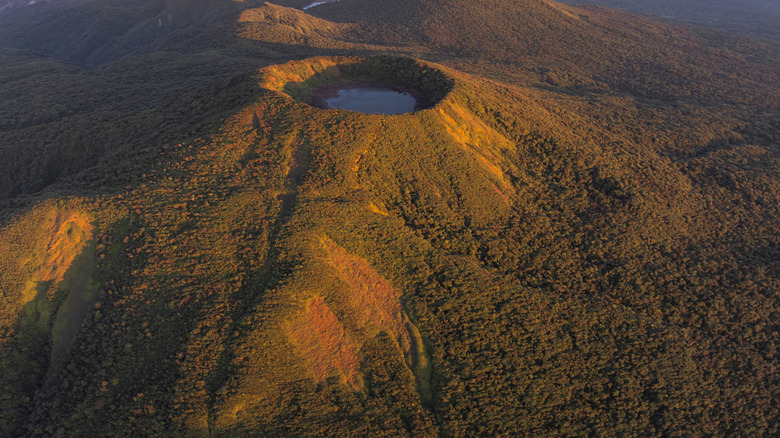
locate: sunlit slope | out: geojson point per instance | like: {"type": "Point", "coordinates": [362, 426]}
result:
{"type": "Point", "coordinates": [481, 267]}
{"type": "Point", "coordinates": [584, 48]}
{"type": "Point", "coordinates": [170, 67]}
{"type": "Point", "coordinates": [46, 291]}
{"type": "Point", "coordinates": [583, 244]}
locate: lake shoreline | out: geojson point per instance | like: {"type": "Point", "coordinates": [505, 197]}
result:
{"type": "Point", "coordinates": [331, 90]}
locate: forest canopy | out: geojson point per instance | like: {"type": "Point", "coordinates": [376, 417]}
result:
{"type": "Point", "coordinates": [569, 241]}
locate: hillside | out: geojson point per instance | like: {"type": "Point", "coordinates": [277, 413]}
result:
{"type": "Point", "coordinates": [755, 18]}
{"type": "Point", "coordinates": [23, 6]}
{"type": "Point", "coordinates": [568, 241]}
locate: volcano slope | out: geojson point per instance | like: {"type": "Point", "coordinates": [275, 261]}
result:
{"type": "Point", "coordinates": [558, 246]}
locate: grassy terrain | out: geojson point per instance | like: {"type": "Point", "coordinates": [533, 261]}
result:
{"type": "Point", "coordinates": [571, 241]}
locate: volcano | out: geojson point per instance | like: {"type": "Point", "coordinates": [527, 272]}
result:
{"type": "Point", "coordinates": [575, 232]}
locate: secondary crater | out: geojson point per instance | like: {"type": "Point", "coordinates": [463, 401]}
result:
{"type": "Point", "coordinates": [376, 85]}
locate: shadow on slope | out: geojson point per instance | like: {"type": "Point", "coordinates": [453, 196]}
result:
{"type": "Point", "coordinates": [46, 292]}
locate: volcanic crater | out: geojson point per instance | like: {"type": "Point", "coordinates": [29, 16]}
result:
{"type": "Point", "coordinates": [375, 85]}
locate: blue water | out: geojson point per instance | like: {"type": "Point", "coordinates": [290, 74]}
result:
{"type": "Point", "coordinates": [373, 100]}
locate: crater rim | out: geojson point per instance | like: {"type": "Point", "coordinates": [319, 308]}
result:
{"type": "Point", "coordinates": [307, 81]}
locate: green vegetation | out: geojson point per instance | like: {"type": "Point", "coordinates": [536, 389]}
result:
{"type": "Point", "coordinates": [558, 247]}
{"type": "Point", "coordinates": [751, 17]}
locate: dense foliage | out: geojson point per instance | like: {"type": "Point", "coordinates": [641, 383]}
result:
{"type": "Point", "coordinates": [756, 18]}
{"type": "Point", "coordinates": [555, 248]}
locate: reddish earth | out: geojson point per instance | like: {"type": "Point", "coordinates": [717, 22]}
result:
{"type": "Point", "coordinates": [322, 340]}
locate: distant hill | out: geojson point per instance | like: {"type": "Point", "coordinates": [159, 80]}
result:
{"type": "Point", "coordinates": [103, 30]}
{"type": "Point", "coordinates": [7, 6]}
{"type": "Point", "coordinates": [756, 18]}
{"type": "Point", "coordinates": [579, 237]}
